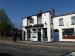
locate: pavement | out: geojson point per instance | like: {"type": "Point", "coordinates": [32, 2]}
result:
{"type": "Point", "coordinates": [62, 45]}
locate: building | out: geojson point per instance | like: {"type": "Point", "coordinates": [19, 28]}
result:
{"type": "Point", "coordinates": [65, 25]}
{"type": "Point", "coordinates": [38, 27]}
{"type": "Point", "coordinates": [47, 27]}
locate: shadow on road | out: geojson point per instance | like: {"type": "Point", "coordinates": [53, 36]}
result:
{"type": "Point", "coordinates": [5, 54]}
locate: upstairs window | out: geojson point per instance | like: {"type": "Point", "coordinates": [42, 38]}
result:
{"type": "Point", "coordinates": [61, 22]}
{"type": "Point", "coordinates": [39, 18]}
{"type": "Point", "coordinates": [73, 20]}
{"type": "Point", "coordinates": [31, 20]}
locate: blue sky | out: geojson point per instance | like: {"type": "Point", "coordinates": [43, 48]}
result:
{"type": "Point", "coordinates": [16, 9]}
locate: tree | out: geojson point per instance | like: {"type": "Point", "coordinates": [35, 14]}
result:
{"type": "Point", "coordinates": [5, 23]}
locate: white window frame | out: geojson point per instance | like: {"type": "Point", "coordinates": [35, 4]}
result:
{"type": "Point", "coordinates": [73, 20]}
{"type": "Point", "coordinates": [61, 22]}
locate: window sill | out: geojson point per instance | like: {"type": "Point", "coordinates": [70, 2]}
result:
{"type": "Point", "coordinates": [61, 25]}
{"type": "Point", "coordinates": [72, 24]}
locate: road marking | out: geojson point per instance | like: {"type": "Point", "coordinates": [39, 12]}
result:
{"type": "Point", "coordinates": [43, 51]}
{"type": "Point", "coordinates": [11, 48]}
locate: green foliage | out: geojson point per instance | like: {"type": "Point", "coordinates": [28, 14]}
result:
{"type": "Point", "coordinates": [5, 22]}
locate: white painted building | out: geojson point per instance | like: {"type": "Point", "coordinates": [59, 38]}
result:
{"type": "Point", "coordinates": [38, 27]}
{"type": "Point", "coordinates": [65, 24]}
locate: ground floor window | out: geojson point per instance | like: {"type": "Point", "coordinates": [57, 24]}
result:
{"type": "Point", "coordinates": [45, 34]}
{"type": "Point", "coordinates": [34, 33]}
{"type": "Point", "coordinates": [68, 33]}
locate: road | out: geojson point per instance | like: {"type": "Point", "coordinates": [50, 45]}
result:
{"type": "Point", "coordinates": [30, 51]}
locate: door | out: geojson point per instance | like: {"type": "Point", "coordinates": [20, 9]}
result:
{"type": "Point", "coordinates": [28, 35]}
{"type": "Point", "coordinates": [45, 34]}
{"type": "Point", "coordinates": [39, 34]}
{"type": "Point", "coordinates": [24, 35]}
{"type": "Point", "coordinates": [56, 36]}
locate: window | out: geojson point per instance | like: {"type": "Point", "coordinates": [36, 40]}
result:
{"type": "Point", "coordinates": [73, 20]}
{"type": "Point", "coordinates": [34, 33]}
{"type": "Point", "coordinates": [67, 32]}
{"type": "Point", "coordinates": [31, 20]}
{"type": "Point", "coordinates": [39, 18]}
{"type": "Point", "coordinates": [45, 38]}
{"type": "Point", "coordinates": [61, 22]}
{"type": "Point", "coordinates": [34, 30]}
{"type": "Point", "coordinates": [44, 33]}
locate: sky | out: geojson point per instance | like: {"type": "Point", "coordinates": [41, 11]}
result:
{"type": "Point", "coordinates": [17, 9]}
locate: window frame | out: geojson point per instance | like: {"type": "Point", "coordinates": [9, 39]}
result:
{"type": "Point", "coordinates": [34, 32]}
{"type": "Point", "coordinates": [62, 22]}
{"type": "Point", "coordinates": [68, 32]}
{"type": "Point", "coordinates": [31, 20]}
{"type": "Point", "coordinates": [39, 17]}
{"type": "Point", "coordinates": [72, 20]}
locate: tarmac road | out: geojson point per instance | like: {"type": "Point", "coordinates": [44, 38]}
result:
{"type": "Point", "coordinates": [12, 50]}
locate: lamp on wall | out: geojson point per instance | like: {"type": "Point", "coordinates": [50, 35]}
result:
{"type": "Point", "coordinates": [45, 23]}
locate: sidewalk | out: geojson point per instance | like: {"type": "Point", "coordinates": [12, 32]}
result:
{"type": "Point", "coordinates": [63, 45]}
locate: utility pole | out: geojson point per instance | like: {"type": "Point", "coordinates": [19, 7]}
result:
{"type": "Point", "coordinates": [53, 2]}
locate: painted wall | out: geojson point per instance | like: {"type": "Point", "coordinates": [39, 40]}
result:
{"type": "Point", "coordinates": [46, 20]}
{"type": "Point", "coordinates": [35, 19]}
{"type": "Point", "coordinates": [24, 23]}
{"type": "Point", "coordinates": [67, 24]}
